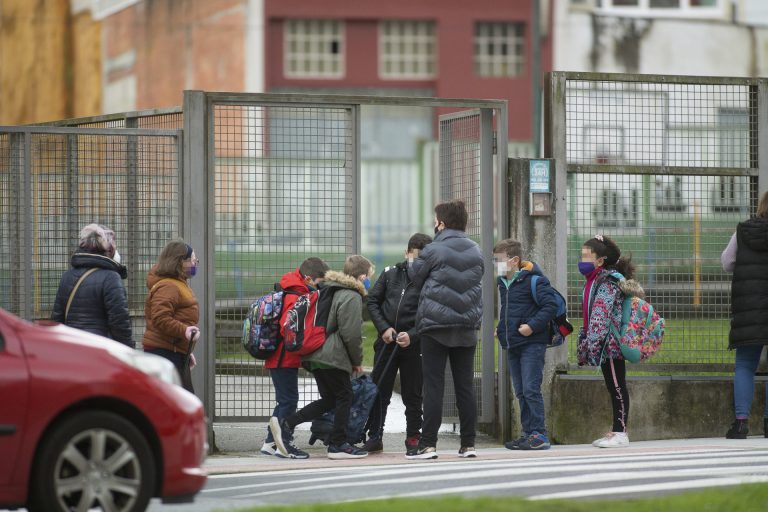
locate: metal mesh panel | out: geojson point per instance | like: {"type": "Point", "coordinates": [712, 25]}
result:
{"type": "Point", "coordinates": [460, 179]}
{"type": "Point", "coordinates": [127, 182]}
{"type": "Point", "coordinates": [682, 158]}
{"type": "Point", "coordinates": [284, 189]}
{"type": "Point", "coordinates": [12, 262]}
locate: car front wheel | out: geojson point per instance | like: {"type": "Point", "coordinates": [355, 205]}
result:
{"type": "Point", "coordinates": [93, 459]}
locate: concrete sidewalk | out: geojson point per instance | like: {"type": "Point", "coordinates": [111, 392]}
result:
{"type": "Point", "coordinates": [448, 444]}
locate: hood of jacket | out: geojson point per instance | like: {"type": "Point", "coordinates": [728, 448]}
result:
{"type": "Point", "coordinates": [81, 259]}
{"type": "Point", "coordinates": [294, 281]}
{"type": "Point", "coordinates": [754, 233]}
{"type": "Point", "coordinates": [342, 280]}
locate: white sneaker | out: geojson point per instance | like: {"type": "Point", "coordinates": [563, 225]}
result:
{"type": "Point", "coordinates": [612, 440]}
{"type": "Point", "coordinates": [269, 449]}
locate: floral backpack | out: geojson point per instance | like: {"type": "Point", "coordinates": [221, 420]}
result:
{"type": "Point", "coordinates": [642, 328]}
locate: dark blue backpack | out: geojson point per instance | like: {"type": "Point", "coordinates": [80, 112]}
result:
{"type": "Point", "coordinates": [559, 326]}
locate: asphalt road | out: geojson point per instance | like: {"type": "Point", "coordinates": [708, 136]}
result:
{"type": "Point", "coordinates": [585, 474]}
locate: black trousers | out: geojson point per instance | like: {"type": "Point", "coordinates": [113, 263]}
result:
{"type": "Point", "coordinates": [408, 361]}
{"type": "Point", "coordinates": [615, 375]}
{"type": "Point", "coordinates": [335, 389]}
{"type": "Point", "coordinates": [462, 360]}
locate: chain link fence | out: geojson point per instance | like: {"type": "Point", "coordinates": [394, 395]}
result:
{"type": "Point", "coordinates": [667, 167]}
{"type": "Point", "coordinates": [57, 180]}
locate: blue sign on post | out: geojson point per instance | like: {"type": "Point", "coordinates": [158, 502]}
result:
{"type": "Point", "coordinates": [538, 180]}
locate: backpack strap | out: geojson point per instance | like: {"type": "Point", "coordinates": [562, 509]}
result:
{"type": "Point", "coordinates": [74, 291]}
{"type": "Point", "coordinates": [534, 279]}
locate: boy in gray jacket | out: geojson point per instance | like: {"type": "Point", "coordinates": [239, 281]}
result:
{"type": "Point", "coordinates": [333, 363]}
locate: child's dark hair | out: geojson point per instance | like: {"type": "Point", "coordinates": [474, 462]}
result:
{"type": "Point", "coordinates": [606, 248]}
{"type": "Point", "coordinates": [509, 247]}
{"type": "Point", "coordinates": [453, 214]}
{"type": "Point", "coordinates": [418, 241]}
{"type": "Point", "coordinates": [314, 267]}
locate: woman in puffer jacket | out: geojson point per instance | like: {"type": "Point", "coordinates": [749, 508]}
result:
{"type": "Point", "coordinates": [609, 281]}
{"type": "Point", "coordinates": [99, 305]}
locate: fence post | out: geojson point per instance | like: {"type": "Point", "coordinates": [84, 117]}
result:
{"type": "Point", "coordinates": [488, 286]}
{"type": "Point", "coordinates": [131, 248]}
{"type": "Point", "coordinates": [762, 137]}
{"type": "Point", "coordinates": [195, 202]}
{"type": "Point", "coordinates": [19, 264]}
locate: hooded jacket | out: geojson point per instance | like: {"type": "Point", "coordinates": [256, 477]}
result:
{"type": "Point", "coordinates": [448, 273]}
{"type": "Point", "coordinates": [393, 301]}
{"type": "Point", "coordinates": [517, 307]}
{"type": "Point", "coordinates": [100, 305]}
{"type": "Point", "coordinates": [169, 309]}
{"type": "Point", "coordinates": [293, 287]}
{"type": "Point", "coordinates": [596, 344]}
{"type": "Point", "coordinates": [343, 348]}
{"type": "Point", "coordinates": [749, 285]}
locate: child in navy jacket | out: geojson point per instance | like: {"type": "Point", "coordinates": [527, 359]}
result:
{"type": "Point", "coordinates": [523, 331]}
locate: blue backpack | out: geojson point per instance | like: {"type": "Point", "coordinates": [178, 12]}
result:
{"type": "Point", "coordinates": [559, 326]}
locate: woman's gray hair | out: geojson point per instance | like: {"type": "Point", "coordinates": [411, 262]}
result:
{"type": "Point", "coordinates": [97, 239]}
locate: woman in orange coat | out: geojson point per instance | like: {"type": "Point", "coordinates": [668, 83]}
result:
{"type": "Point", "coordinates": [171, 308]}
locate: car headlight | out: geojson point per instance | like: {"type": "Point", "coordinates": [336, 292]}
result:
{"type": "Point", "coordinates": [152, 365]}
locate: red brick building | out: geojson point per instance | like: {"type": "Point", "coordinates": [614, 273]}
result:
{"type": "Point", "coordinates": [443, 48]}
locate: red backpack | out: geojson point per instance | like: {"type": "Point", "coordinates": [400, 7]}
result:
{"type": "Point", "coordinates": [305, 323]}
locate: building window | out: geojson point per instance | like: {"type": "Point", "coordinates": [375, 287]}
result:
{"type": "Point", "coordinates": [499, 49]}
{"type": "Point", "coordinates": [406, 49]}
{"type": "Point", "coordinates": [669, 194]}
{"type": "Point", "coordinates": [730, 194]}
{"type": "Point", "coordinates": [614, 210]}
{"type": "Point", "coordinates": [314, 49]}
{"type": "Point", "coordinates": [663, 8]}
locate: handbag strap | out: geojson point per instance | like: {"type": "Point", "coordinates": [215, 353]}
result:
{"type": "Point", "coordinates": [74, 291]}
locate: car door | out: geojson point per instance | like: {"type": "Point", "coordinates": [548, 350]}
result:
{"type": "Point", "coordinates": [14, 395]}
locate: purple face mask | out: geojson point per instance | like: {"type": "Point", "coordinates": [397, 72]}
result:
{"type": "Point", "coordinates": [192, 271]}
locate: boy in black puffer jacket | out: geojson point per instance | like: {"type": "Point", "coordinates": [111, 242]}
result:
{"type": "Point", "coordinates": [392, 303]}
{"type": "Point", "coordinates": [523, 331]}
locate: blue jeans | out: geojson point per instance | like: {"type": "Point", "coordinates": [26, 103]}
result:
{"type": "Point", "coordinates": [747, 359]}
{"type": "Point", "coordinates": [526, 366]}
{"type": "Point", "coordinates": [286, 384]}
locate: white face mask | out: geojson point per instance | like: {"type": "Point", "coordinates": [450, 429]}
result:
{"type": "Point", "coordinates": [117, 257]}
{"type": "Point", "coordinates": [410, 261]}
{"type": "Point", "coordinates": [501, 268]}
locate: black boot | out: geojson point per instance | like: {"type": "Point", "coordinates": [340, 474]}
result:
{"type": "Point", "coordinates": [739, 430]}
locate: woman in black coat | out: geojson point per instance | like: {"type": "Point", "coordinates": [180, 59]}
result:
{"type": "Point", "coordinates": [100, 303]}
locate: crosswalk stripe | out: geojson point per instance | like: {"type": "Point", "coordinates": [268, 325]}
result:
{"type": "Point", "coordinates": [663, 486]}
{"type": "Point", "coordinates": [510, 471]}
{"type": "Point", "coordinates": [409, 467]}
{"type": "Point", "coordinates": [588, 479]}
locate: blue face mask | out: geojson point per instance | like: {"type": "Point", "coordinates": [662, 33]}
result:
{"type": "Point", "coordinates": [191, 271]}
{"type": "Point", "coordinates": [367, 283]}
{"type": "Point", "coordinates": [586, 267]}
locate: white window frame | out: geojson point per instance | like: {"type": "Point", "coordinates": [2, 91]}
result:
{"type": "Point", "coordinates": [417, 36]}
{"type": "Point", "coordinates": [493, 62]}
{"type": "Point", "coordinates": [644, 10]}
{"type": "Point", "coordinates": [316, 39]}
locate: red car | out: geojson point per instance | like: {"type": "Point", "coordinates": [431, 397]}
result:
{"type": "Point", "coordinates": [88, 422]}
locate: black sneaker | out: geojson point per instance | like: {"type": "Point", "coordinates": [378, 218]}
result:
{"type": "Point", "coordinates": [467, 452]}
{"type": "Point", "coordinates": [345, 451]}
{"type": "Point", "coordinates": [294, 452]}
{"type": "Point", "coordinates": [423, 452]}
{"type": "Point", "coordinates": [739, 430]}
{"type": "Point", "coordinates": [765, 427]}
{"type": "Point", "coordinates": [515, 443]}
{"type": "Point", "coordinates": [412, 445]}
{"type": "Point", "coordinates": [282, 434]}
{"type": "Point", "coordinates": [373, 445]}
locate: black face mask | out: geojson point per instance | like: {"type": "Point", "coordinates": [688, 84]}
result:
{"type": "Point", "coordinates": [436, 230]}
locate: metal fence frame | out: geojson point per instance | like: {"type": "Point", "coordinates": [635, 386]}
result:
{"type": "Point", "coordinates": [22, 281]}
{"type": "Point", "coordinates": [556, 146]}
{"type": "Point", "coordinates": [199, 128]}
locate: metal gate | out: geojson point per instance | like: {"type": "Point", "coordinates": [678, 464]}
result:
{"type": "Point", "coordinates": [667, 166]}
{"type": "Point", "coordinates": [54, 180]}
{"type": "Point", "coordinates": [466, 173]}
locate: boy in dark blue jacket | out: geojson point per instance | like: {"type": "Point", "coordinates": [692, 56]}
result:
{"type": "Point", "coordinates": [523, 331]}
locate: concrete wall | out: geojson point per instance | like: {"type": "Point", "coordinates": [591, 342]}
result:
{"type": "Point", "coordinates": [585, 41]}
{"type": "Point", "coordinates": [660, 407]}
